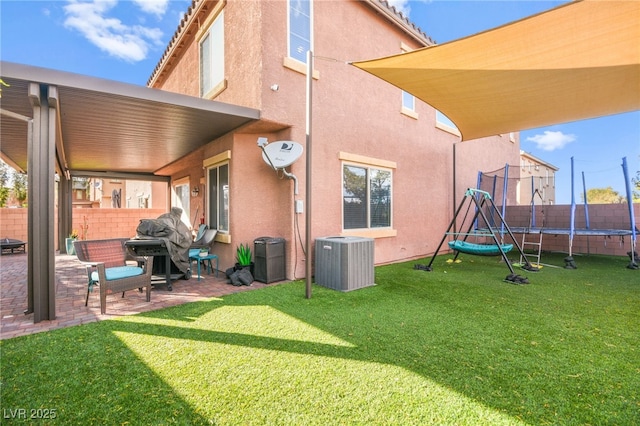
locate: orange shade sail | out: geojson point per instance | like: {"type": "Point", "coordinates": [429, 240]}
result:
{"type": "Point", "coordinates": [578, 61]}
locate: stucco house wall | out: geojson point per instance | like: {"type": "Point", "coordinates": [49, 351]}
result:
{"type": "Point", "coordinates": [355, 115]}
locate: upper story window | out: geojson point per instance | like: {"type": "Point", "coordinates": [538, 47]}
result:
{"type": "Point", "coordinates": [408, 101]}
{"type": "Point", "coordinates": [300, 29]}
{"type": "Point", "coordinates": [443, 123]}
{"type": "Point", "coordinates": [212, 58]}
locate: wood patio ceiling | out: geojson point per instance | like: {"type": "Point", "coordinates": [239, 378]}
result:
{"type": "Point", "coordinates": [112, 127]}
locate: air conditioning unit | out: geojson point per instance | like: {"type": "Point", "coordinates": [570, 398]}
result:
{"type": "Point", "coordinates": [344, 263]}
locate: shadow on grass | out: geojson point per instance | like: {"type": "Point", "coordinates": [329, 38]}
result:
{"type": "Point", "coordinates": [560, 350]}
{"type": "Point", "coordinates": [548, 351]}
{"type": "Point", "coordinates": [85, 375]}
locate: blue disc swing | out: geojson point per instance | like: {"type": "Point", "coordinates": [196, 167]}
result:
{"type": "Point", "coordinates": [479, 249]}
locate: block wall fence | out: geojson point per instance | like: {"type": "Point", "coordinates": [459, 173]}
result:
{"type": "Point", "coordinates": [103, 223]}
{"type": "Point", "coordinates": [601, 216]}
{"type": "Point", "coordinates": [112, 223]}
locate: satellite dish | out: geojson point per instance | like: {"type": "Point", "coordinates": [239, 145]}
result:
{"type": "Point", "coordinates": [281, 154]}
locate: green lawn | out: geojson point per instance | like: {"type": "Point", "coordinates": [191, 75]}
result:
{"type": "Point", "coordinates": [454, 346]}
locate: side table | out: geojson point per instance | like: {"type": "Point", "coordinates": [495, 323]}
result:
{"type": "Point", "coordinates": [202, 259]}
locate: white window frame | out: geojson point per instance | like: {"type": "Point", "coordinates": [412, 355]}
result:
{"type": "Point", "coordinates": [209, 164]}
{"type": "Point", "coordinates": [381, 165]}
{"type": "Point", "coordinates": [408, 102]}
{"type": "Point", "coordinates": [181, 197]}
{"type": "Point", "coordinates": [213, 33]}
{"type": "Point", "coordinates": [290, 10]}
{"type": "Point", "coordinates": [444, 123]}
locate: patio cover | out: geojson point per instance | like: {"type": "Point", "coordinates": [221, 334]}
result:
{"type": "Point", "coordinates": [53, 121]}
{"type": "Point", "coordinates": [577, 61]}
{"type": "Point", "coordinates": [110, 128]}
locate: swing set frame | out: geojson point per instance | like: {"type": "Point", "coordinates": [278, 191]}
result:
{"type": "Point", "coordinates": [492, 231]}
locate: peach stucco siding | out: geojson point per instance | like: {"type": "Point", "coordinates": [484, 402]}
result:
{"type": "Point", "coordinates": [353, 113]}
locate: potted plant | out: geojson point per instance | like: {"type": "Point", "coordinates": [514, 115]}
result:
{"type": "Point", "coordinates": [69, 242]}
{"type": "Point", "coordinates": [204, 252]}
{"type": "Point", "coordinates": [244, 257]}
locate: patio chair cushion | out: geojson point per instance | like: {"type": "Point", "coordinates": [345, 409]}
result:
{"type": "Point", "coordinates": [118, 272]}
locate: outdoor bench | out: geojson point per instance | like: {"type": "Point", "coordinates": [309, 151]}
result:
{"type": "Point", "coordinates": [107, 266]}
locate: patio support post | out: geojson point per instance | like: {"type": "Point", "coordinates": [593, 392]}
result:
{"type": "Point", "coordinates": [65, 211]}
{"type": "Point", "coordinates": [41, 175]}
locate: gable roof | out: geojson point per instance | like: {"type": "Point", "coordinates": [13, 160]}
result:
{"type": "Point", "coordinates": [534, 159]}
{"type": "Point", "coordinates": [400, 20]}
{"type": "Point", "coordinates": [199, 8]}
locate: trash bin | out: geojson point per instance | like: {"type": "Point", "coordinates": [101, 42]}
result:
{"type": "Point", "coordinates": [269, 260]}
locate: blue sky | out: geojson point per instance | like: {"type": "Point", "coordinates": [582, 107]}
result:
{"type": "Point", "coordinates": [123, 40]}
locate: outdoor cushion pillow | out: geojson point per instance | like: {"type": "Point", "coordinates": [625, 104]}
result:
{"type": "Point", "coordinates": [119, 272]}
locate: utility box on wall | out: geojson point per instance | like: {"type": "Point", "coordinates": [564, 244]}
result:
{"type": "Point", "coordinates": [344, 263]}
{"type": "Point", "coordinates": [270, 261]}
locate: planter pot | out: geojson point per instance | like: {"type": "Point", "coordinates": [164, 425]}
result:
{"type": "Point", "coordinates": [238, 266]}
{"type": "Point", "coordinates": [69, 245]}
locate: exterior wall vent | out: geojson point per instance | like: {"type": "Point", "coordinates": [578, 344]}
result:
{"type": "Point", "coordinates": [344, 263]}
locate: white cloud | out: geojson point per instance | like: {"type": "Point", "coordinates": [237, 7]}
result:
{"type": "Point", "coordinates": [401, 6]}
{"type": "Point", "coordinates": [128, 42]}
{"type": "Point", "coordinates": [550, 141]}
{"type": "Point", "coordinates": [404, 6]}
{"type": "Point", "coordinates": [155, 7]}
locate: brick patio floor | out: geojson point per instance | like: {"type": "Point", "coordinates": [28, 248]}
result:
{"type": "Point", "coordinates": [71, 290]}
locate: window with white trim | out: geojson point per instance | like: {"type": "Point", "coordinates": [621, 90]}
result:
{"type": "Point", "coordinates": [300, 29]}
{"type": "Point", "coordinates": [218, 196]}
{"type": "Point", "coordinates": [212, 57]}
{"type": "Point", "coordinates": [181, 197]}
{"type": "Point", "coordinates": [366, 197]}
{"type": "Point", "coordinates": [408, 101]}
{"type": "Point", "coordinates": [444, 120]}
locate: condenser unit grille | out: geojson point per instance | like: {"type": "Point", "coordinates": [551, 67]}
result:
{"type": "Point", "coordinates": [344, 263]}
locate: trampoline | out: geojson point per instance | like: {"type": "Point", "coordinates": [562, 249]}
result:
{"type": "Point", "coordinates": [576, 232]}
